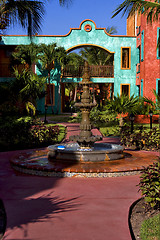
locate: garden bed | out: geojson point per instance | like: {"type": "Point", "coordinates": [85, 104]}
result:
{"type": "Point", "coordinates": [25, 132]}
{"type": "Point", "coordinates": [137, 215]}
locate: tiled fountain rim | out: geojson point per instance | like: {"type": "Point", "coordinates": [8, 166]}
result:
{"type": "Point", "coordinates": [75, 174]}
{"type": "Point", "coordinates": [37, 167]}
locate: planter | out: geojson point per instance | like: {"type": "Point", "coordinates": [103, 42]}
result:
{"type": "Point", "coordinates": [145, 119]}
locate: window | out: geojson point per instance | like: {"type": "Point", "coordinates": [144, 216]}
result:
{"type": "Point", "coordinates": [141, 87]}
{"type": "Point", "coordinates": [125, 89]}
{"type": "Point", "coordinates": [158, 43]}
{"type": "Point", "coordinates": [143, 9]}
{"type": "Point", "coordinates": [125, 57]}
{"type": "Point", "coordinates": [138, 54]}
{"type": "Point", "coordinates": [138, 59]}
{"type": "Point", "coordinates": [138, 30]}
{"type": "Point", "coordinates": [142, 46]}
{"type": "Point", "coordinates": [50, 92]}
{"type": "Point", "coordinates": [158, 86]}
{"type": "Point", "coordinates": [138, 90]}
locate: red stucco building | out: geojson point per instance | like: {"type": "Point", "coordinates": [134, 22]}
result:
{"type": "Point", "coordinates": [148, 53]}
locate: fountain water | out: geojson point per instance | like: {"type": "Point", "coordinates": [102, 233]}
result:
{"type": "Point", "coordinates": [85, 149]}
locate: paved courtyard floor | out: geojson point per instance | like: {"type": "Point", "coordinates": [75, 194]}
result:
{"type": "Point", "coordinates": [52, 208]}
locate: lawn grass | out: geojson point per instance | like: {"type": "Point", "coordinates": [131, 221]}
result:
{"type": "Point", "coordinates": [110, 130]}
{"type": "Point", "coordinates": [150, 229]}
{"type": "Point", "coordinates": [60, 118]}
{"type": "Point", "coordinates": [62, 132]}
{"type": "Point", "coordinates": [114, 130]}
{"type": "Point", "coordinates": [107, 129]}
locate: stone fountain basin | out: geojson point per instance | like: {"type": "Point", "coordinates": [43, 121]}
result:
{"type": "Point", "coordinates": [100, 152]}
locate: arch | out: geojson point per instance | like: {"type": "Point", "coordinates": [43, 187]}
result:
{"type": "Point", "coordinates": [89, 35]}
{"type": "Point", "coordinates": [87, 45]}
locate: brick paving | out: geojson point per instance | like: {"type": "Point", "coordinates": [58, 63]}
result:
{"type": "Point", "coordinates": [52, 208]}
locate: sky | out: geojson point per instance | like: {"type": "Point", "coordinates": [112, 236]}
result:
{"type": "Point", "coordinates": [58, 20]}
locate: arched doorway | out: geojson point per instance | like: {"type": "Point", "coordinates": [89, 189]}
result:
{"type": "Point", "coordinates": [101, 63]}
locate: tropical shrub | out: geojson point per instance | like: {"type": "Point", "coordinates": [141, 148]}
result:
{"type": "Point", "coordinates": [26, 132]}
{"type": "Point", "coordinates": [123, 105]}
{"type": "Point", "coordinates": [155, 105]}
{"type": "Point", "coordinates": [8, 108]}
{"type": "Point", "coordinates": [31, 110]}
{"type": "Point", "coordinates": [104, 116]}
{"type": "Point", "coordinates": [141, 139]}
{"type": "Point", "coordinates": [110, 130]}
{"type": "Point", "coordinates": [150, 185]}
{"type": "Point", "coordinates": [44, 134]}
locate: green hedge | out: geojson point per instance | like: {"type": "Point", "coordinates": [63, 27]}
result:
{"type": "Point", "coordinates": [26, 133]}
{"type": "Point", "coordinates": [141, 139]}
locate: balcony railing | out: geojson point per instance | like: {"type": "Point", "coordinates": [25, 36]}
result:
{"type": "Point", "coordinates": [95, 71]}
{"type": "Point", "coordinates": [69, 71]}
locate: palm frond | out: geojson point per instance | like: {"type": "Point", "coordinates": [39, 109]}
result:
{"type": "Point", "coordinates": [111, 30]}
{"type": "Point", "coordinates": [129, 7]}
{"type": "Point", "coordinates": [28, 13]}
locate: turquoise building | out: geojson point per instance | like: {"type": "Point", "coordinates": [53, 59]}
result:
{"type": "Point", "coordinates": [121, 80]}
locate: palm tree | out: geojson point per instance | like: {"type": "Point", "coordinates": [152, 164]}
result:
{"type": "Point", "coordinates": [98, 56]}
{"type": "Point", "coordinates": [151, 9]}
{"type": "Point", "coordinates": [50, 55]}
{"type": "Point", "coordinates": [122, 105]}
{"type": "Point", "coordinates": [26, 55]}
{"type": "Point", "coordinates": [75, 60]}
{"type": "Point", "coordinates": [27, 13]}
{"type": "Point", "coordinates": [111, 30]}
{"type": "Point", "coordinates": [155, 105]}
{"type": "Point", "coordinates": [27, 85]}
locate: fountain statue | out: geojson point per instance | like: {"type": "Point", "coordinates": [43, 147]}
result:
{"type": "Point", "coordinates": [85, 139]}
{"type": "Point", "coordinates": [84, 148]}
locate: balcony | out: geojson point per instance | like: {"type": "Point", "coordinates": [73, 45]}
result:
{"type": "Point", "coordinates": [95, 71]}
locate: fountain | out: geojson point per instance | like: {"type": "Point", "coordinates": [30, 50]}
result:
{"type": "Point", "coordinates": [83, 156]}
{"type": "Point", "coordinates": [84, 148]}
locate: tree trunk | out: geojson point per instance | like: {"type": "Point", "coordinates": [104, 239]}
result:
{"type": "Point", "coordinates": [94, 98]}
{"type": "Point", "coordinates": [75, 93]}
{"type": "Point", "coordinates": [50, 93]}
{"type": "Point", "coordinates": [59, 95]}
{"type": "Point", "coordinates": [121, 121]}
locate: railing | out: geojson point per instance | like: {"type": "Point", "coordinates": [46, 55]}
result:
{"type": "Point", "coordinates": [102, 71]}
{"type": "Point", "coordinates": [95, 71]}
{"type": "Point", "coordinates": [69, 71]}
{"type": "Point", "coordinates": [72, 71]}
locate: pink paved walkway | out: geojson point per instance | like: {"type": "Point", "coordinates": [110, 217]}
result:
{"type": "Point", "coordinates": [40, 208]}
{"type": "Point", "coordinates": [73, 129]}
